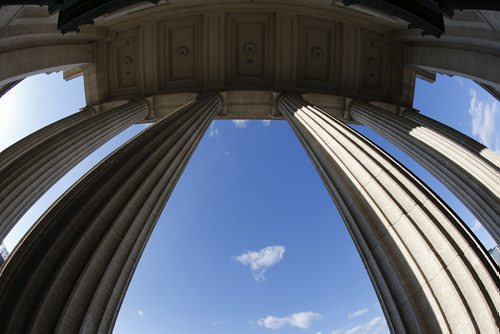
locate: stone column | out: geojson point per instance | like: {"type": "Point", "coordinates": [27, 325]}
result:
{"type": "Point", "coordinates": [34, 164]}
{"type": "Point", "coordinates": [70, 273]}
{"type": "Point", "coordinates": [468, 169]}
{"type": "Point", "coordinates": [429, 272]}
{"type": "Point", "coordinates": [467, 142]}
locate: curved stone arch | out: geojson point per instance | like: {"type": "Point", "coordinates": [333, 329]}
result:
{"type": "Point", "coordinates": [26, 62]}
{"type": "Point", "coordinates": [477, 66]}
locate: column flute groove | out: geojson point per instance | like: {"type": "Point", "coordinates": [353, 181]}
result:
{"type": "Point", "coordinates": [71, 271]}
{"type": "Point", "coordinates": [48, 154]}
{"type": "Point", "coordinates": [473, 178]}
{"type": "Point", "coordinates": [430, 273]}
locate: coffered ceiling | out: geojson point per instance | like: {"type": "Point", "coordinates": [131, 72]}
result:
{"type": "Point", "coordinates": [247, 49]}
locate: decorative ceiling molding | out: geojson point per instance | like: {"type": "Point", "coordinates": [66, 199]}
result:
{"type": "Point", "coordinates": [227, 50]}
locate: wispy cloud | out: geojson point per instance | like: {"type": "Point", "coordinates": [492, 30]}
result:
{"type": "Point", "coordinates": [357, 313]}
{"type": "Point", "coordinates": [217, 322]}
{"type": "Point", "coordinates": [213, 131]}
{"type": "Point", "coordinates": [476, 226]}
{"type": "Point", "coordinates": [240, 123]}
{"type": "Point", "coordinates": [259, 261]}
{"type": "Point", "coordinates": [140, 313]}
{"type": "Point", "coordinates": [301, 320]}
{"type": "Point", "coordinates": [266, 122]}
{"type": "Point", "coordinates": [376, 325]}
{"type": "Point", "coordinates": [459, 79]}
{"type": "Point", "coordinates": [483, 116]}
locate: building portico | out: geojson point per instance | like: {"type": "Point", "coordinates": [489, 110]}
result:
{"type": "Point", "coordinates": [318, 65]}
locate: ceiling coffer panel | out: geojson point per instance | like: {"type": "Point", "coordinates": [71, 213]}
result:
{"type": "Point", "coordinates": [180, 52]}
{"type": "Point", "coordinates": [320, 57]}
{"type": "Point", "coordinates": [250, 49]}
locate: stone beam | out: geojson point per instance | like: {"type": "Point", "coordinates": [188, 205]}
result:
{"type": "Point", "coordinates": [22, 63]}
{"type": "Point", "coordinates": [34, 164]}
{"type": "Point", "coordinates": [8, 13]}
{"type": "Point", "coordinates": [72, 269]}
{"type": "Point", "coordinates": [430, 273]}
{"type": "Point", "coordinates": [478, 66]}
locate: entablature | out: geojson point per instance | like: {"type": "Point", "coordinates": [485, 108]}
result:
{"type": "Point", "coordinates": [194, 46]}
{"type": "Point", "coordinates": [228, 47]}
{"type": "Point", "coordinates": [246, 105]}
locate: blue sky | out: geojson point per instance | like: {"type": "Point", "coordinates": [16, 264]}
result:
{"type": "Point", "coordinates": [250, 241]}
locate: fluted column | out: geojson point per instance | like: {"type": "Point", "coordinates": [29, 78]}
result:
{"type": "Point", "coordinates": [34, 164]}
{"type": "Point", "coordinates": [70, 273]}
{"type": "Point", "coordinates": [429, 272]}
{"type": "Point", "coordinates": [455, 136]}
{"type": "Point", "coordinates": [467, 168]}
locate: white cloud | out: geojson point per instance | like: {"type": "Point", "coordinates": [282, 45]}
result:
{"type": "Point", "coordinates": [301, 320]}
{"type": "Point", "coordinates": [140, 313]}
{"type": "Point", "coordinates": [260, 261]}
{"type": "Point", "coordinates": [213, 131]}
{"type": "Point", "coordinates": [240, 123]}
{"type": "Point", "coordinates": [483, 121]}
{"type": "Point", "coordinates": [357, 313]}
{"type": "Point", "coordinates": [376, 325]}
{"type": "Point", "coordinates": [266, 122]}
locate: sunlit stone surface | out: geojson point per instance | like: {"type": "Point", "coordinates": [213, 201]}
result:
{"type": "Point", "coordinates": [147, 63]}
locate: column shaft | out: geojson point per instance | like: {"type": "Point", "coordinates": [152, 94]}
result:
{"type": "Point", "coordinates": [429, 272]}
{"type": "Point", "coordinates": [34, 164]}
{"type": "Point", "coordinates": [466, 167]}
{"type": "Point", "coordinates": [71, 271]}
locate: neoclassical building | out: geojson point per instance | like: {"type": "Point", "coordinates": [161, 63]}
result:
{"type": "Point", "coordinates": [320, 65]}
